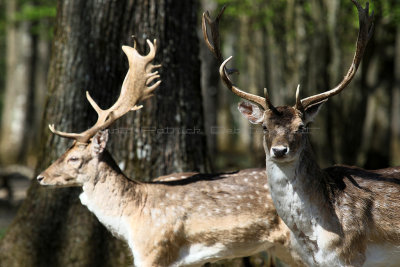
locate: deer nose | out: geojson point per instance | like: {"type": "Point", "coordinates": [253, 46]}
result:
{"type": "Point", "coordinates": [279, 151]}
{"type": "Point", "coordinates": [40, 177]}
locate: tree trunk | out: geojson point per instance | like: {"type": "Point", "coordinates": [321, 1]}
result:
{"type": "Point", "coordinates": [318, 59]}
{"type": "Point", "coordinates": [395, 118]}
{"type": "Point", "coordinates": [17, 88]}
{"type": "Point", "coordinates": [27, 63]}
{"type": "Point", "coordinates": [209, 87]}
{"type": "Point", "coordinates": [52, 228]}
{"type": "Point", "coordinates": [171, 124]}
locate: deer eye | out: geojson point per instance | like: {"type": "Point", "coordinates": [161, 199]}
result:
{"type": "Point", "coordinates": [265, 129]}
{"type": "Point", "coordinates": [73, 159]}
{"type": "Point", "coordinates": [301, 128]}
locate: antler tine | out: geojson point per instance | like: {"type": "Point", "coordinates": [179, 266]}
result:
{"type": "Point", "coordinates": [269, 104]}
{"type": "Point", "coordinates": [136, 86]}
{"type": "Point", "coordinates": [299, 105]}
{"type": "Point", "coordinates": [64, 134]}
{"type": "Point", "coordinates": [93, 103]}
{"type": "Point", "coordinates": [364, 34]}
{"type": "Point", "coordinates": [214, 46]}
{"type": "Point", "coordinates": [206, 17]}
{"type": "Point", "coordinates": [214, 25]}
{"type": "Point", "coordinates": [254, 98]}
{"type": "Point", "coordinates": [153, 49]}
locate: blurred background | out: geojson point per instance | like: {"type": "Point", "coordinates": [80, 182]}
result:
{"type": "Point", "coordinates": [276, 44]}
{"type": "Point", "coordinates": [280, 44]}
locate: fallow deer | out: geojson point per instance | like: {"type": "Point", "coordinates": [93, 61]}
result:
{"type": "Point", "coordinates": [173, 221]}
{"type": "Point", "coordinates": [338, 216]}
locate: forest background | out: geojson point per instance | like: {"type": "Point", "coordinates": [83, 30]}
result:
{"type": "Point", "coordinates": [276, 44]}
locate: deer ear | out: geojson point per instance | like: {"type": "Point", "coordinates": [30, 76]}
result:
{"type": "Point", "coordinates": [99, 142]}
{"type": "Point", "coordinates": [311, 111]}
{"type": "Point", "coordinates": [252, 112]}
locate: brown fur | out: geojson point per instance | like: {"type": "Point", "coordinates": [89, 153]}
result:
{"type": "Point", "coordinates": [202, 209]}
{"type": "Point", "coordinates": [373, 199]}
{"type": "Point", "coordinates": [357, 207]}
{"type": "Point", "coordinates": [175, 211]}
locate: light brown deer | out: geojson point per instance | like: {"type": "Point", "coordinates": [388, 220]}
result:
{"type": "Point", "coordinates": [182, 219]}
{"type": "Point", "coordinates": [339, 216]}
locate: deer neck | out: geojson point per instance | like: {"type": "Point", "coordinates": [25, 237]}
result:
{"type": "Point", "coordinates": [296, 185]}
{"type": "Point", "coordinates": [107, 193]}
{"type": "Point", "coordinates": [299, 192]}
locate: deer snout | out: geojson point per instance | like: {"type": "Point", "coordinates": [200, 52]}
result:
{"type": "Point", "coordinates": [279, 151]}
{"type": "Point", "coordinates": [40, 177]}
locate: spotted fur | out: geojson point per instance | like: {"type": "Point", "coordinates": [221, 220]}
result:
{"type": "Point", "coordinates": [183, 219]}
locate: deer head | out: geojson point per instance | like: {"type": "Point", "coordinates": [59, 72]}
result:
{"type": "Point", "coordinates": [284, 126]}
{"type": "Point", "coordinates": [77, 164]}
{"type": "Point", "coordinates": [80, 161]}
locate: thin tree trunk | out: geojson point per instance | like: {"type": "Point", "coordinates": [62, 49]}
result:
{"type": "Point", "coordinates": [40, 67]}
{"type": "Point", "coordinates": [18, 88]}
{"type": "Point", "coordinates": [209, 88]}
{"type": "Point", "coordinates": [246, 79]}
{"type": "Point", "coordinates": [224, 130]}
{"type": "Point", "coordinates": [27, 63]}
{"type": "Point", "coordinates": [52, 228]}
{"type": "Point", "coordinates": [395, 120]}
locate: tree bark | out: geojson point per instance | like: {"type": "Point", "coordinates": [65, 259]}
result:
{"type": "Point", "coordinates": [52, 228]}
{"type": "Point", "coordinates": [171, 125]}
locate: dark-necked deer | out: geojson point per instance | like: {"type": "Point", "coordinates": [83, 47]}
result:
{"type": "Point", "coordinates": [173, 221]}
{"type": "Point", "coordinates": [339, 216]}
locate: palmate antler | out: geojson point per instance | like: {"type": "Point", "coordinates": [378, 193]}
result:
{"type": "Point", "coordinates": [364, 34]}
{"type": "Point", "coordinates": [136, 87]}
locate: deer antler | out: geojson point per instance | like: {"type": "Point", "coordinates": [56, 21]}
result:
{"type": "Point", "coordinates": [364, 34]}
{"type": "Point", "coordinates": [263, 102]}
{"type": "Point", "coordinates": [214, 25]}
{"type": "Point", "coordinates": [214, 47]}
{"type": "Point", "coordinates": [136, 87]}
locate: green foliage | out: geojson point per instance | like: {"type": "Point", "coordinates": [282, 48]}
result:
{"type": "Point", "coordinates": [40, 15]}
{"type": "Point", "coordinates": [261, 12]}
{"type": "Point", "coordinates": [389, 11]}
{"type": "Point", "coordinates": [35, 13]}
{"type": "Point", "coordinates": [2, 232]}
